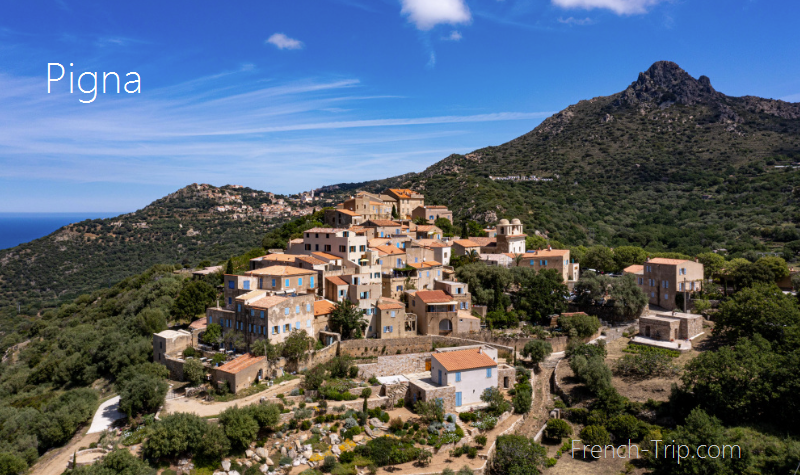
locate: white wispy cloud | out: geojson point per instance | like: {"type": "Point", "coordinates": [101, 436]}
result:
{"type": "Point", "coordinates": [620, 7]}
{"type": "Point", "coordinates": [453, 36]}
{"type": "Point", "coordinates": [208, 130]}
{"type": "Point", "coordinates": [425, 14]}
{"type": "Point", "coordinates": [575, 21]}
{"type": "Point", "coordinates": [281, 41]}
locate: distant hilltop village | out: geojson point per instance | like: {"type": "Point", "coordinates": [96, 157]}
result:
{"type": "Point", "coordinates": [232, 199]}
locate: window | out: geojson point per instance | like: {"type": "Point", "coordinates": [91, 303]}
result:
{"type": "Point", "coordinates": [308, 307]}
{"type": "Point", "coordinates": [297, 325]}
{"type": "Point", "coordinates": [652, 294]}
{"type": "Point", "coordinates": [488, 372]}
{"type": "Point", "coordinates": [252, 313]}
{"type": "Point", "coordinates": [308, 247]}
{"type": "Point", "coordinates": [311, 282]}
{"type": "Point", "coordinates": [362, 248]}
{"type": "Point", "coordinates": [286, 311]}
{"type": "Point", "coordinates": [210, 320]}
{"type": "Point", "coordinates": [296, 309]}
{"type": "Point", "coordinates": [316, 247]}
{"type": "Point", "coordinates": [458, 377]}
{"type": "Point", "coordinates": [308, 323]}
{"type": "Point", "coordinates": [341, 293]}
{"type": "Point", "coordinates": [273, 282]}
{"type": "Point", "coordinates": [428, 274]}
{"type": "Point", "coordinates": [231, 284]}
{"type": "Point", "coordinates": [399, 288]}
{"type": "Point", "coordinates": [327, 248]}
{"type": "Point", "coordinates": [459, 291]}
{"type": "Point", "coordinates": [393, 313]}
{"type": "Point", "coordinates": [439, 273]}
{"type": "Point", "coordinates": [246, 285]}
{"type": "Point", "coordinates": [531, 262]}
{"type": "Point", "coordinates": [262, 314]}
{"type": "Point", "coordinates": [666, 296]}
{"type": "Point", "coordinates": [352, 249]}
{"type": "Point", "coordinates": [399, 262]}
{"type": "Point", "coordinates": [287, 282]}
{"type": "Point", "coordinates": [342, 248]}
{"type": "Point", "coordinates": [641, 280]}
{"type": "Point", "coordinates": [276, 329]}
{"type": "Point", "coordinates": [287, 328]}
{"type": "Point", "coordinates": [230, 301]}
{"type": "Point", "coordinates": [391, 328]}
{"type": "Point", "coordinates": [238, 307]}
{"type": "Point", "coordinates": [416, 260]}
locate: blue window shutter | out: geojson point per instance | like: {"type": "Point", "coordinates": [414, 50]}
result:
{"type": "Point", "coordinates": [210, 320]}
{"type": "Point", "coordinates": [458, 376]}
{"type": "Point", "coordinates": [230, 284]}
{"type": "Point", "coordinates": [288, 282]}
{"type": "Point", "coordinates": [262, 314]}
{"type": "Point", "coordinates": [246, 285]}
{"type": "Point", "coordinates": [238, 307]}
{"type": "Point", "coordinates": [286, 311]}
{"type": "Point", "coordinates": [311, 282]}
{"type": "Point", "coordinates": [296, 309]}
{"type": "Point", "coordinates": [273, 282]}
{"type": "Point", "coordinates": [308, 307]}
{"type": "Point", "coordinates": [488, 372]}
{"type": "Point", "coordinates": [299, 281]}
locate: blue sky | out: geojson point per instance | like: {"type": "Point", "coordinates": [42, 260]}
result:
{"type": "Point", "coordinates": [287, 96]}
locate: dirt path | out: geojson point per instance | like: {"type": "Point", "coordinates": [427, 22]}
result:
{"type": "Point", "coordinates": [204, 408]}
{"type": "Point", "coordinates": [54, 461]}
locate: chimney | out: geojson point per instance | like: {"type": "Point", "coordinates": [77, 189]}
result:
{"type": "Point", "coordinates": [479, 350]}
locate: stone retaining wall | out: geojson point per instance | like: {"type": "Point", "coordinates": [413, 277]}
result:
{"type": "Point", "coordinates": [394, 364]}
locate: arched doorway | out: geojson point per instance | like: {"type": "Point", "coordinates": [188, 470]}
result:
{"type": "Point", "coordinates": [445, 327]}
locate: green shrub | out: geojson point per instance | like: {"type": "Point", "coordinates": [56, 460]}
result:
{"type": "Point", "coordinates": [352, 372]}
{"type": "Point", "coordinates": [327, 464]}
{"type": "Point", "coordinates": [472, 452]}
{"type": "Point", "coordinates": [467, 416]}
{"type": "Point", "coordinates": [577, 415]}
{"type": "Point", "coordinates": [347, 456]}
{"type": "Point", "coordinates": [595, 435]}
{"type": "Point", "coordinates": [480, 440]}
{"type": "Point", "coordinates": [557, 429]}
{"type": "Point", "coordinates": [388, 451]}
{"type": "Point", "coordinates": [626, 426]}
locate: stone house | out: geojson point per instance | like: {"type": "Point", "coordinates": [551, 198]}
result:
{"type": "Point", "coordinates": [662, 279]}
{"type": "Point", "coordinates": [666, 326]}
{"type": "Point", "coordinates": [342, 218]}
{"type": "Point", "coordinates": [405, 201]}
{"type": "Point", "coordinates": [462, 247]}
{"type": "Point", "coordinates": [432, 213]}
{"type": "Point", "coordinates": [437, 310]}
{"type": "Point", "coordinates": [392, 321]}
{"type": "Point", "coordinates": [344, 243]}
{"type": "Point", "coordinates": [240, 373]}
{"type": "Point", "coordinates": [555, 259]}
{"type": "Point", "coordinates": [427, 231]}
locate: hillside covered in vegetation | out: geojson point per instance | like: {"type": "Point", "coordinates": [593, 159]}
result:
{"type": "Point", "coordinates": [668, 164]}
{"type": "Point", "coordinates": [181, 228]}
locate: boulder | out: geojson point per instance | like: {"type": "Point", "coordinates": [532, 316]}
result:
{"type": "Point", "coordinates": [291, 454]}
{"type": "Point", "coordinates": [368, 431]}
{"type": "Point", "coordinates": [335, 439]}
{"type": "Point", "coordinates": [376, 422]}
{"type": "Point", "coordinates": [358, 438]}
{"type": "Point", "coordinates": [264, 468]}
{"type": "Point", "coordinates": [226, 465]}
{"type": "Point", "coordinates": [297, 445]}
{"type": "Point", "coordinates": [296, 463]}
{"type": "Point", "coordinates": [336, 450]}
{"type": "Point", "coordinates": [283, 452]}
{"type": "Point", "coordinates": [307, 454]}
{"type": "Point", "coordinates": [262, 452]}
{"type": "Point", "coordinates": [249, 453]}
{"type": "Point", "coordinates": [269, 462]}
{"type": "Point", "coordinates": [247, 463]}
{"type": "Point", "coordinates": [233, 472]}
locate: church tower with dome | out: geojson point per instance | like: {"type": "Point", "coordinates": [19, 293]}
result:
{"type": "Point", "coordinates": [510, 239]}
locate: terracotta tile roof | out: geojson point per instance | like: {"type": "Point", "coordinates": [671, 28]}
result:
{"type": "Point", "coordinates": [311, 260]}
{"type": "Point", "coordinates": [325, 255]}
{"type": "Point", "coordinates": [426, 228]}
{"type": "Point", "coordinates": [383, 223]}
{"type": "Point", "coordinates": [662, 260]}
{"type": "Point", "coordinates": [250, 295]}
{"type": "Point", "coordinates": [325, 230]}
{"type": "Point", "coordinates": [296, 241]}
{"type": "Point", "coordinates": [402, 192]}
{"type": "Point", "coordinates": [420, 265]}
{"type": "Point", "coordinates": [466, 243]}
{"type": "Point", "coordinates": [433, 296]}
{"type": "Point", "coordinates": [336, 280]}
{"type": "Point", "coordinates": [390, 250]}
{"type": "Point", "coordinates": [268, 302]}
{"type": "Point", "coordinates": [431, 243]}
{"type": "Point", "coordinates": [634, 269]}
{"type": "Point", "coordinates": [348, 212]}
{"type": "Point", "coordinates": [385, 303]}
{"type": "Point", "coordinates": [484, 241]}
{"type": "Point", "coordinates": [434, 207]}
{"type": "Point", "coordinates": [240, 363]}
{"type": "Point", "coordinates": [281, 270]}
{"type": "Point", "coordinates": [375, 242]}
{"type": "Point", "coordinates": [199, 324]}
{"type": "Point", "coordinates": [463, 360]}
{"type": "Point", "coordinates": [323, 307]}
{"type": "Point", "coordinates": [277, 258]}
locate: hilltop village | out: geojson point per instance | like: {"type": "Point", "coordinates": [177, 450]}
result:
{"type": "Point", "coordinates": [374, 297]}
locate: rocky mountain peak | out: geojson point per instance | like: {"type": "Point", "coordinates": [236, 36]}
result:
{"type": "Point", "coordinates": [666, 83]}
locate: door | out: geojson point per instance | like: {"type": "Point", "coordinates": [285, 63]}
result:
{"type": "Point", "coordinates": [427, 365]}
{"type": "Point", "coordinates": [458, 399]}
{"type": "Point", "coordinates": [440, 377]}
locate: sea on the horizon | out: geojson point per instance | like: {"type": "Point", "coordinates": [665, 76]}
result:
{"type": "Point", "coordinates": [19, 228]}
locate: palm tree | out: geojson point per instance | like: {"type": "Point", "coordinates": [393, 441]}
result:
{"type": "Point", "coordinates": [473, 256]}
{"type": "Point", "coordinates": [419, 220]}
{"type": "Point", "coordinates": [518, 258]}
